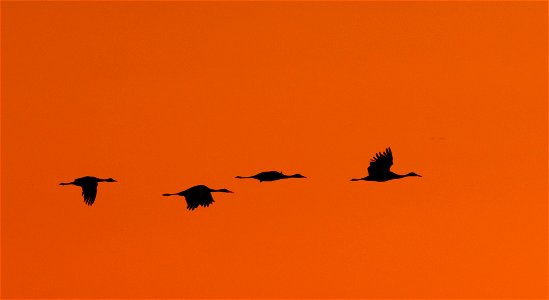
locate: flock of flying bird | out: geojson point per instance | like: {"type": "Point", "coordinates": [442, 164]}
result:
{"type": "Point", "coordinates": [201, 195]}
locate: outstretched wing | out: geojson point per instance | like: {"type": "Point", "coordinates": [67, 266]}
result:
{"type": "Point", "coordinates": [89, 191]}
{"type": "Point", "coordinates": [381, 163]}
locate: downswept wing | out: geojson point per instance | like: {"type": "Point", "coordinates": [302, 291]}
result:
{"type": "Point", "coordinates": [89, 191]}
{"type": "Point", "coordinates": [192, 203]}
{"type": "Point", "coordinates": [202, 199]}
{"type": "Point", "coordinates": [381, 163]}
{"type": "Point", "coordinates": [207, 200]}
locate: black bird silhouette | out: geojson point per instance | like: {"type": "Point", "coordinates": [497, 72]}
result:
{"type": "Point", "coordinates": [271, 176]}
{"type": "Point", "coordinates": [89, 187]}
{"type": "Point", "coordinates": [198, 195]}
{"type": "Point", "coordinates": [379, 169]}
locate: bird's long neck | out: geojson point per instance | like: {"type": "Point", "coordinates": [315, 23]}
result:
{"type": "Point", "coordinates": [66, 183]}
{"type": "Point", "coordinates": [243, 177]}
{"type": "Point", "coordinates": [220, 191]}
{"type": "Point", "coordinates": [101, 180]}
{"type": "Point", "coordinates": [294, 176]}
{"type": "Point", "coordinates": [397, 176]}
{"type": "Point", "coordinates": [169, 194]}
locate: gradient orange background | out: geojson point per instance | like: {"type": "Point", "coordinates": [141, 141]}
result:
{"type": "Point", "coordinates": [164, 96]}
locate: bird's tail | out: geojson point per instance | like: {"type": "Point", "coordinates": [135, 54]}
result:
{"type": "Point", "coordinates": [169, 194]}
{"type": "Point", "coordinates": [243, 177]}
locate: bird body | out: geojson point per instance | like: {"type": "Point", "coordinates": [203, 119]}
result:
{"type": "Point", "coordinates": [89, 187]}
{"type": "Point", "coordinates": [198, 195]}
{"type": "Point", "coordinates": [271, 176]}
{"type": "Point", "coordinates": [391, 176]}
{"type": "Point", "coordinates": [379, 169]}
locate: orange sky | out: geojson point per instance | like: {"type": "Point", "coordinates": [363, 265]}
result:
{"type": "Point", "coordinates": [164, 96]}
